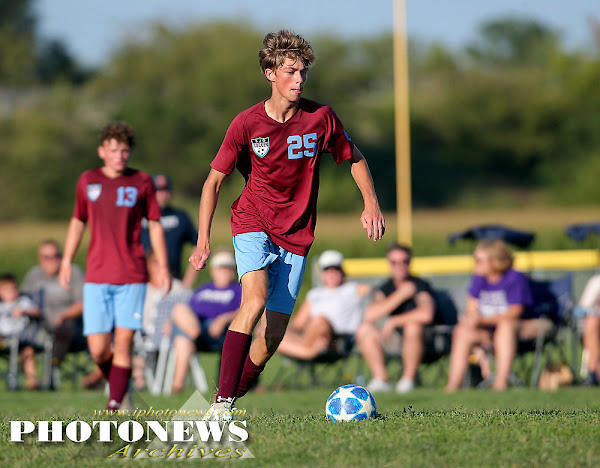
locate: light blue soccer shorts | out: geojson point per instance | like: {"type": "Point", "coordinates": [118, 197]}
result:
{"type": "Point", "coordinates": [254, 251]}
{"type": "Point", "coordinates": [106, 306]}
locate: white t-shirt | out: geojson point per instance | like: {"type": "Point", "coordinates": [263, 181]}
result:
{"type": "Point", "coordinates": [343, 306]}
{"type": "Point", "coordinates": [9, 325]}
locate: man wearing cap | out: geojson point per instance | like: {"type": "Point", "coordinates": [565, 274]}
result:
{"type": "Point", "coordinates": [403, 303]}
{"type": "Point", "coordinates": [178, 228]}
{"type": "Point", "coordinates": [202, 323]}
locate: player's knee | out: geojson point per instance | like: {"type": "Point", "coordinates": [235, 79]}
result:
{"type": "Point", "coordinates": [100, 355]}
{"type": "Point", "coordinates": [253, 304]}
{"type": "Point", "coordinates": [321, 323]}
{"type": "Point", "coordinates": [412, 331]}
{"type": "Point", "coordinates": [365, 331]}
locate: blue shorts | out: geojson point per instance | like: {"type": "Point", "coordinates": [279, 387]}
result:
{"type": "Point", "coordinates": [255, 251]}
{"type": "Point", "coordinates": [106, 306]}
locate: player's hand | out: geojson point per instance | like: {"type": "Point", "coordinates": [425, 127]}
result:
{"type": "Point", "coordinates": [471, 320]}
{"type": "Point", "coordinates": [64, 275]}
{"type": "Point", "coordinates": [406, 290]}
{"type": "Point", "coordinates": [373, 221]}
{"type": "Point", "coordinates": [199, 258]}
{"type": "Point", "coordinates": [18, 312]}
{"type": "Point", "coordinates": [165, 280]}
{"type": "Point", "coordinates": [216, 327]}
{"type": "Point", "coordinates": [387, 330]}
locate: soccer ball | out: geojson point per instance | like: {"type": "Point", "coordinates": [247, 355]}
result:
{"type": "Point", "coordinates": [350, 403]}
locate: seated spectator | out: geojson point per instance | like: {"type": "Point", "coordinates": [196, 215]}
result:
{"type": "Point", "coordinates": [15, 313]}
{"type": "Point", "coordinates": [151, 333]}
{"type": "Point", "coordinates": [202, 323]}
{"type": "Point", "coordinates": [589, 307]}
{"type": "Point", "coordinates": [498, 311]}
{"type": "Point", "coordinates": [61, 308]}
{"type": "Point", "coordinates": [402, 304]}
{"type": "Point", "coordinates": [330, 312]}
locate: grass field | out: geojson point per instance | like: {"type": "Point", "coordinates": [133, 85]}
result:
{"type": "Point", "coordinates": [426, 428]}
{"type": "Point", "coordinates": [288, 429]}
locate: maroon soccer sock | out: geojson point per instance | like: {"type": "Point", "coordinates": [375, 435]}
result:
{"type": "Point", "coordinates": [235, 350]}
{"type": "Point", "coordinates": [249, 375]}
{"type": "Point", "coordinates": [105, 367]}
{"type": "Point", "coordinates": [118, 383]}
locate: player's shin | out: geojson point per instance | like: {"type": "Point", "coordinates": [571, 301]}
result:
{"type": "Point", "coordinates": [235, 351]}
{"type": "Point", "coordinates": [250, 375]}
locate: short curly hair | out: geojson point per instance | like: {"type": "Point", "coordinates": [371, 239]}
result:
{"type": "Point", "coordinates": [282, 45]}
{"type": "Point", "coordinates": [120, 131]}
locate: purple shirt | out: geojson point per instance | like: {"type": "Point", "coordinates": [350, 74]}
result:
{"type": "Point", "coordinates": [513, 288]}
{"type": "Point", "coordinates": [209, 302]}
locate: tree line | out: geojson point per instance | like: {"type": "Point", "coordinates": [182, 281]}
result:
{"type": "Point", "coordinates": [511, 118]}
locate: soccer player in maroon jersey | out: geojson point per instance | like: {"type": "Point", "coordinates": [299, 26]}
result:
{"type": "Point", "coordinates": [277, 146]}
{"type": "Point", "coordinates": [113, 199]}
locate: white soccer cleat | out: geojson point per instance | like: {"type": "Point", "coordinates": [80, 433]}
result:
{"type": "Point", "coordinates": [377, 385]}
{"type": "Point", "coordinates": [405, 385]}
{"type": "Point", "coordinates": [222, 412]}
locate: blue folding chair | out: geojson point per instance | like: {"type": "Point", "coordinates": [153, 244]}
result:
{"type": "Point", "coordinates": [553, 300]}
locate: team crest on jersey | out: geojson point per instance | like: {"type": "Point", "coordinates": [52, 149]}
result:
{"type": "Point", "coordinates": [94, 191]}
{"type": "Point", "coordinates": [260, 146]}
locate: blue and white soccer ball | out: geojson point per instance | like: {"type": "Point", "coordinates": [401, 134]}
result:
{"type": "Point", "coordinates": [350, 403]}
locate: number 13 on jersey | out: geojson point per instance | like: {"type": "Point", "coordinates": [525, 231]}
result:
{"type": "Point", "coordinates": [300, 146]}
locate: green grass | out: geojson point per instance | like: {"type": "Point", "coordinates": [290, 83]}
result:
{"type": "Point", "coordinates": [520, 427]}
{"type": "Point", "coordinates": [426, 428]}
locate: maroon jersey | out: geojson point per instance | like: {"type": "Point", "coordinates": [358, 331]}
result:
{"type": "Point", "coordinates": [280, 162]}
{"type": "Point", "coordinates": [114, 209]}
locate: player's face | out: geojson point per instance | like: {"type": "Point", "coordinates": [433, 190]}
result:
{"type": "Point", "coordinates": [9, 292]}
{"type": "Point", "coordinates": [399, 262]}
{"type": "Point", "coordinates": [163, 197]}
{"type": "Point", "coordinates": [115, 155]}
{"type": "Point", "coordinates": [49, 259]}
{"type": "Point", "coordinates": [222, 276]}
{"type": "Point", "coordinates": [332, 277]}
{"type": "Point", "coordinates": [483, 265]}
{"type": "Point", "coordinates": [288, 81]}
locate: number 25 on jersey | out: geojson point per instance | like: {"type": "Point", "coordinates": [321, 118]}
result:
{"type": "Point", "coordinates": [300, 146]}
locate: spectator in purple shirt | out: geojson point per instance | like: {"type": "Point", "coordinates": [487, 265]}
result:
{"type": "Point", "coordinates": [202, 323]}
{"type": "Point", "coordinates": [499, 303]}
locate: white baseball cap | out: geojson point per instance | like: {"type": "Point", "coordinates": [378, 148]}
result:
{"type": "Point", "coordinates": [222, 259]}
{"type": "Point", "coordinates": [330, 258]}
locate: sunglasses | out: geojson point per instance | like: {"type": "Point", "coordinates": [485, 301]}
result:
{"type": "Point", "coordinates": [400, 262]}
{"type": "Point", "coordinates": [50, 257]}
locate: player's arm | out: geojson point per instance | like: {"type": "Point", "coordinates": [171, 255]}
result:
{"type": "Point", "coordinates": [422, 314]}
{"type": "Point", "coordinates": [221, 322]}
{"type": "Point", "coordinates": [74, 235]}
{"type": "Point", "coordinates": [383, 305]}
{"type": "Point", "coordinates": [190, 274]}
{"type": "Point", "coordinates": [471, 315]}
{"type": "Point", "coordinates": [208, 205]}
{"type": "Point", "coordinates": [159, 247]}
{"type": "Point", "coordinates": [372, 219]}
{"type": "Point", "coordinates": [74, 311]}
{"type": "Point", "coordinates": [513, 312]}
